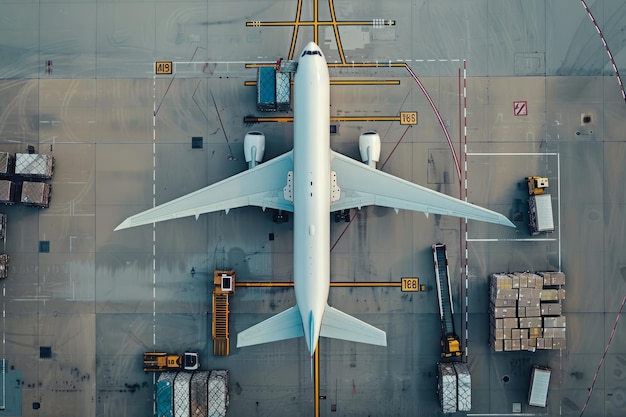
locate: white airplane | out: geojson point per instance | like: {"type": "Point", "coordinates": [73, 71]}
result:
{"type": "Point", "coordinates": [311, 181]}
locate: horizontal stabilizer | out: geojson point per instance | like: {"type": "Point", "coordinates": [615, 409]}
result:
{"type": "Point", "coordinates": [285, 325]}
{"type": "Point", "coordinates": [339, 325]}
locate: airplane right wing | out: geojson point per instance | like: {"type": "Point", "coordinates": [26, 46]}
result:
{"type": "Point", "coordinates": [339, 325]}
{"type": "Point", "coordinates": [260, 186]}
{"type": "Point", "coordinates": [361, 186]}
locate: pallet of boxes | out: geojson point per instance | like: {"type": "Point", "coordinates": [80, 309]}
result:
{"type": "Point", "coordinates": [525, 311]}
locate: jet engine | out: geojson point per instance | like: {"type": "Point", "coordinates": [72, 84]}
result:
{"type": "Point", "coordinates": [369, 146]}
{"type": "Point", "coordinates": [253, 148]}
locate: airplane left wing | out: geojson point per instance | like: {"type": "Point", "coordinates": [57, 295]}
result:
{"type": "Point", "coordinates": [361, 186]}
{"type": "Point", "coordinates": [260, 186]}
{"type": "Point", "coordinates": [282, 326]}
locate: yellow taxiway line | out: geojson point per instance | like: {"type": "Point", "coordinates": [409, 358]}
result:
{"type": "Point", "coordinates": [346, 82]}
{"type": "Point", "coordinates": [332, 284]}
{"type": "Point", "coordinates": [254, 119]}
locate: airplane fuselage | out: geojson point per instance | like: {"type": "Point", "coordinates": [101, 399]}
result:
{"type": "Point", "coordinates": [311, 182]}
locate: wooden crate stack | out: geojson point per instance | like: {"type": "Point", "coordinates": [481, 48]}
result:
{"type": "Point", "coordinates": [525, 311]}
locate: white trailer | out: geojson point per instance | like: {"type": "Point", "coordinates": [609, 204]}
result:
{"type": "Point", "coordinates": [540, 214]}
{"type": "Point", "coordinates": [539, 384]}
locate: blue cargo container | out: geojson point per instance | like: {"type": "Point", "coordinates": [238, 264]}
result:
{"type": "Point", "coordinates": [266, 89]}
{"type": "Point", "coordinates": [165, 394]}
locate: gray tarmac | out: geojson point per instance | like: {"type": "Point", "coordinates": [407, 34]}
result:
{"type": "Point", "coordinates": [100, 298]}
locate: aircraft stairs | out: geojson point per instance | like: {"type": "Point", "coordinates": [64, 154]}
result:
{"type": "Point", "coordinates": [223, 285]}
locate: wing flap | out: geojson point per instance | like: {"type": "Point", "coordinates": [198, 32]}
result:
{"type": "Point", "coordinates": [285, 325]}
{"type": "Point", "coordinates": [338, 325]}
{"type": "Point", "coordinates": [260, 186]}
{"type": "Point", "coordinates": [361, 186]}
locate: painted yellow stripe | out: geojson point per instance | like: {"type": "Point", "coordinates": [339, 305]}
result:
{"type": "Point", "coordinates": [332, 284]}
{"type": "Point", "coordinates": [345, 82]}
{"type": "Point", "coordinates": [263, 284]}
{"type": "Point", "coordinates": [253, 119]}
{"type": "Point", "coordinates": [381, 64]}
{"type": "Point", "coordinates": [317, 23]}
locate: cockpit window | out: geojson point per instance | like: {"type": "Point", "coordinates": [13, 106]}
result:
{"type": "Point", "coordinates": [310, 53]}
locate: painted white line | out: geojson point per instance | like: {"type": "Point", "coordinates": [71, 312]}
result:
{"type": "Point", "coordinates": [513, 240]}
{"type": "Point", "coordinates": [512, 153]}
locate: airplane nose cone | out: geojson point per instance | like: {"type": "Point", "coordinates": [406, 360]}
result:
{"type": "Point", "coordinates": [311, 46]}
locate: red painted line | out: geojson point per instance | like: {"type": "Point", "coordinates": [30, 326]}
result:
{"type": "Point", "coordinates": [163, 98]}
{"type": "Point", "coordinates": [345, 229]}
{"type": "Point", "coordinates": [606, 350]}
{"type": "Point", "coordinates": [395, 147]}
{"type": "Point", "coordinates": [443, 126]}
{"type": "Point", "coordinates": [606, 47]}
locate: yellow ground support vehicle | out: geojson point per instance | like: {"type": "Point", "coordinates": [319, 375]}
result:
{"type": "Point", "coordinates": [537, 185]}
{"type": "Point", "coordinates": [161, 361]}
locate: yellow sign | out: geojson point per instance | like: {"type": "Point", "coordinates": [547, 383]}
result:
{"type": "Point", "coordinates": [410, 284]}
{"type": "Point", "coordinates": [163, 67]}
{"type": "Point", "coordinates": [408, 117]}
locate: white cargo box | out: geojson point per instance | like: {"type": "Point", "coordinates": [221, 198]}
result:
{"type": "Point", "coordinates": [218, 396]}
{"type": "Point", "coordinates": [541, 217]}
{"type": "Point", "coordinates": [447, 387]}
{"type": "Point", "coordinates": [464, 387]}
{"type": "Point", "coordinates": [539, 384]}
{"type": "Point", "coordinates": [34, 165]}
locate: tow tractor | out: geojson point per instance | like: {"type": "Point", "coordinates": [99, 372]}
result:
{"type": "Point", "coordinates": [161, 361]}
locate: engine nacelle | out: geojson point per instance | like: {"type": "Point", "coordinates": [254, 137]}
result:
{"type": "Point", "coordinates": [253, 148]}
{"type": "Point", "coordinates": [369, 146]}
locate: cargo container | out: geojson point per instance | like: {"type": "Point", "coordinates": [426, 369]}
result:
{"type": "Point", "coordinates": [6, 164]}
{"type": "Point", "coordinates": [7, 192]}
{"type": "Point", "coordinates": [34, 165]}
{"type": "Point", "coordinates": [266, 89]}
{"type": "Point", "coordinates": [181, 394]}
{"type": "Point", "coordinates": [463, 386]}
{"type": "Point", "coordinates": [539, 384]}
{"type": "Point", "coordinates": [283, 91]}
{"type": "Point", "coordinates": [165, 394]}
{"type": "Point", "coordinates": [35, 194]}
{"type": "Point", "coordinates": [540, 214]}
{"type": "Point", "coordinates": [197, 394]}
{"type": "Point", "coordinates": [4, 265]}
{"type": "Point", "coordinates": [218, 393]}
{"type": "Point", "coordinates": [447, 387]}
{"type": "Point", "coordinates": [3, 227]}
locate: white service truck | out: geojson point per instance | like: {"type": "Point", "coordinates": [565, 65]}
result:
{"type": "Point", "coordinates": [540, 217]}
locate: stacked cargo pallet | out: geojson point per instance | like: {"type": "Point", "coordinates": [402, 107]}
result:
{"type": "Point", "coordinates": [525, 311]}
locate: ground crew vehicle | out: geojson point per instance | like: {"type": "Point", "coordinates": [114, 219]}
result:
{"type": "Point", "coordinates": [540, 218]}
{"type": "Point", "coordinates": [161, 361]}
